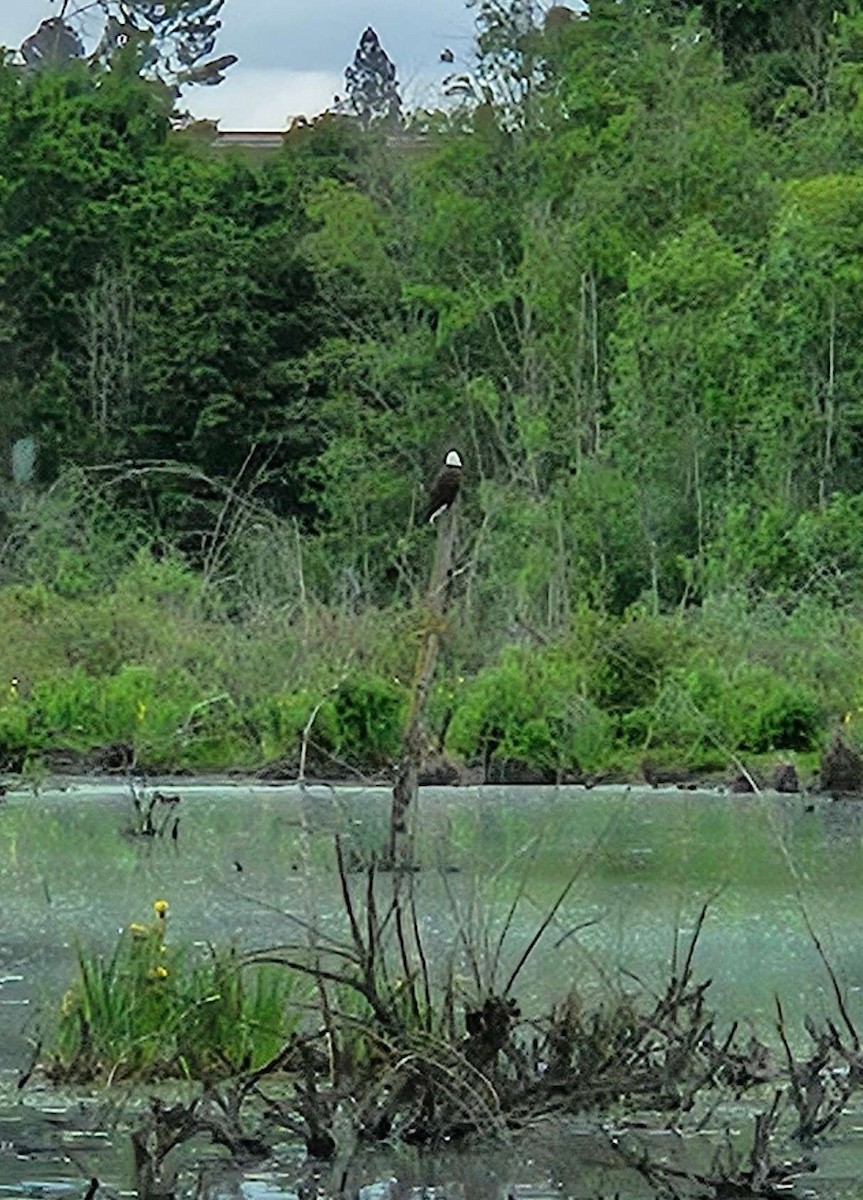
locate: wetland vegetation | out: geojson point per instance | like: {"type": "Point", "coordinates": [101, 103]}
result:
{"type": "Point", "coordinates": [624, 283]}
{"type": "Point", "coordinates": [145, 673]}
{"type": "Point", "coordinates": [622, 276]}
{"type": "Point", "coordinates": [456, 1005]}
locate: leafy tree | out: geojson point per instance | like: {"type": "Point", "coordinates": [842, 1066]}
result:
{"type": "Point", "coordinates": [72, 151]}
{"type": "Point", "coordinates": [808, 308]}
{"type": "Point", "coordinates": [509, 68]}
{"type": "Point", "coordinates": [154, 302]}
{"type": "Point", "coordinates": [785, 51]}
{"type": "Point", "coordinates": [169, 41]}
{"type": "Point", "coordinates": [679, 416]}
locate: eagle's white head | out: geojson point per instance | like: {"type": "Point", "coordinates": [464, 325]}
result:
{"type": "Point", "coordinates": [452, 459]}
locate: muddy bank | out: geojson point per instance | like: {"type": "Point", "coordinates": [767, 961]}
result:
{"type": "Point", "coordinates": [840, 772]}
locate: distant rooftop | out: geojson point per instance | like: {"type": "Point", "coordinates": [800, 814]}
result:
{"type": "Point", "coordinates": [268, 141]}
{"type": "Point", "coordinates": [251, 139]}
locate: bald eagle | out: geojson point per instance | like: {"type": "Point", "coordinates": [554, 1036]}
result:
{"type": "Point", "coordinates": [444, 490]}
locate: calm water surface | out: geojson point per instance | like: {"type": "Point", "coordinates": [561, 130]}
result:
{"type": "Point", "coordinates": [247, 855]}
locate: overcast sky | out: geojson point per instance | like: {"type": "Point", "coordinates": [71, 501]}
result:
{"type": "Point", "coordinates": [293, 53]}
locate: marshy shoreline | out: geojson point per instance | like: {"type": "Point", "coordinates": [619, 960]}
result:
{"type": "Point", "coordinates": [653, 1056]}
{"type": "Point", "coordinates": [115, 764]}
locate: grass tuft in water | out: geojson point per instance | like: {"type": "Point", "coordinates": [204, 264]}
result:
{"type": "Point", "coordinates": [153, 1010]}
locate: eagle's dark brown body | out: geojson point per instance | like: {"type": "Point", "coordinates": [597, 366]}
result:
{"type": "Point", "coordinates": [445, 488]}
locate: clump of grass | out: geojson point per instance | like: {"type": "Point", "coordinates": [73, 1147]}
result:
{"type": "Point", "coordinates": [149, 1010]}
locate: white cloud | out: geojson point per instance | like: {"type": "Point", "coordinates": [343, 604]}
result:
{"type": "Point", "coordinates": [264, 99]}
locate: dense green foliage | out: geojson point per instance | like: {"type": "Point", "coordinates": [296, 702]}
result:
{"type": "Point", "coordinates": [626, 285]}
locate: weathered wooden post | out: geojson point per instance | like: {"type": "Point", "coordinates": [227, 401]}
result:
{"type": "Point", "coordinates": [401, 848]}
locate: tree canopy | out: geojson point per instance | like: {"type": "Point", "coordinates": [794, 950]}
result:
{"type": "Point", "coordinates": [624, 281]}
{"type": "Point", "coordinates": [170, 42]}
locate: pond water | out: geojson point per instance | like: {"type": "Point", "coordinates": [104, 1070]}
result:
{"type": "Point", "coordinates": [247, 854]}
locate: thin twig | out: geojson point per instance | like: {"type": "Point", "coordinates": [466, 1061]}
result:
{"type": "Point", "coordinates": [307, 728]}
{"type": "Point", "coordinates": [837, 991]}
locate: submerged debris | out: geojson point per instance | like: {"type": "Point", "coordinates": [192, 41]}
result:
{"type": "Point", "coordinates": [785, 778]}
{"type": "Point", "coordinates": [841, 771]}
{"type": "Point", "coordinates": [742, 784]}
{"type": "Point", "coordinates": [154, 813]}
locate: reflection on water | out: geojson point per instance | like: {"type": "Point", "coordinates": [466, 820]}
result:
{"type": "Point", "coordinates": [245, 855]}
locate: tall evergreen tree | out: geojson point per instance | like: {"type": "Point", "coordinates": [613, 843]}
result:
{"type": "Point", "coordinates": [371, 83]}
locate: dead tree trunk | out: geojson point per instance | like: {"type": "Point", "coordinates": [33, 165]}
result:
{"type": "Point", "coordinates": [401, 848]}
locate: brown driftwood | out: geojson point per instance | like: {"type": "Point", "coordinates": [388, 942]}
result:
{"type": "Point", "coordinates": [413, 744]}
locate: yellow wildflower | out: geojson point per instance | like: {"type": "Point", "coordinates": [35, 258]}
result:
{"type": "Point", "coordinates": [160, 907]}
{"type": "Point", "coordinates": [141, 710]}
{"type": "Point", "coordinates": [159, 972]}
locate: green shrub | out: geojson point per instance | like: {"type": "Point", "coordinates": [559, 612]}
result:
{"type": "Point", "coordinates": [167, 582]}
{"type": "Point", "coordinates": [444, 697]}
{"type": "Point", "coordinates": [631, 658]}
{"type": "Point", "coordinates": [494, 705]}
{"type": "Point", "coordinates": [531, 706]}
{"type": "Point", "coordinates": [213, 733]}
{"type": "Point", "coordinates": [589, 742]}
{"type": "Point", "coordinates": [161, 714]}
{"type": "Point", "coordinates": [370, 715]}
{"type": "Point", "coordinates": [361, 721]}
{"type": "Point", "coordinates": [139, 704]}
{"type": "Point", "coordinates": [69, 707]}
{"type": "Point", "coordinates": [770, 713]}
{"type": "Point", "coordinates": [14, 733]}
{"type": "Point", "coordinates": [672, 721]}
{"type": "Point", "coordinates": [28, 601]}
{"type": "Point", "coordinates": [749, 707]}
{"type": "Point", "coordinates": [74, 538]}
{"type": "Point", "coordinates": [280, 720]}
{"type": "Point", "coordinates": [817, 551]}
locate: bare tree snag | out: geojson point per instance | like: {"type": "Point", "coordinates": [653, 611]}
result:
{"type": "Point", "coordinates": [401, 848]}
